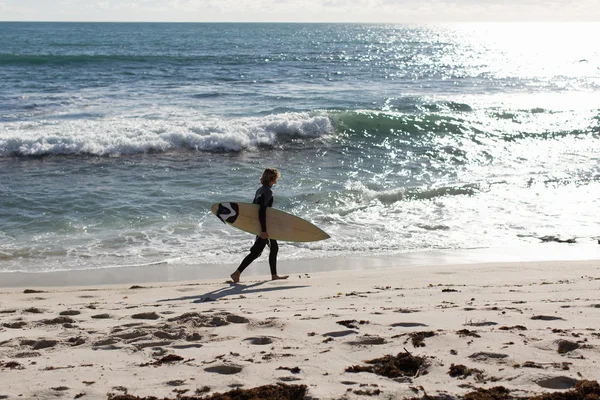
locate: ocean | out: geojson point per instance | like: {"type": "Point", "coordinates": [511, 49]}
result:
{"type": "Point", "coordinates": [115, 138]}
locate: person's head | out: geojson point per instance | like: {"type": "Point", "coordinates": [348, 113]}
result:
{"type": "Point", "coordinates": [270, 176]}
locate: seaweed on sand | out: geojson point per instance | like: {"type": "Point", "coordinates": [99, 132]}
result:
{"type": "Point", "coordinates": [403, 364]}
{"type": "Point", "coordinates": [280, 391]}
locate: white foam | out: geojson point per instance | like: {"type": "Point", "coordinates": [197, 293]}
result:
{"type": "Point", "coordinates": [116, 136]}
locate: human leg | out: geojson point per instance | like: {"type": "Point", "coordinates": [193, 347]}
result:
{"type": "Point", "coordinates": [274, 249]}
{"type": "Point", "coordinates": [255, 252]}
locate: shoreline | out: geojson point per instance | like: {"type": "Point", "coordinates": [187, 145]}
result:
{"type": "Point", "coordinates": [531, 327]}
{"type": "Point", "coordinates": [169, 272]}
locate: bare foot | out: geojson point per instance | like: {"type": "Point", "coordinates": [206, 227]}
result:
{"type": "Point", "coordinates": [235, 277]}
{"type": "Point", "coordinates": [275, 277]}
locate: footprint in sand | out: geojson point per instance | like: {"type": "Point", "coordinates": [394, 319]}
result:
{"type": "Point", "coordinates": [171, 336]}
{"type": "Point", "coordinates": [186, 346]}
{"type": "Point", "coordinates": [136, 334]}
{"type": "Point", "coordinates": [547, 318]}
{"type": "Point", "coordinates": [340, 333]}
{"type": "Point", "coordinates": [33, 310]}
{"type": "Point", "coordinates": [144, 345]}
{"type": "Point", "coordinates": [148, 315]}
{"type": "Point", "coordinates": [224, 369]}
{"type": "Point", "coordinates": [407, 324]}
{"type": "Point", "coordinates": [70, 312]}
{"type": "Point", "coordinates": [289, 379]}
{"type": "Point", "coordinates": [39, 344]}
{"type": "Point", "coordinates": [101, 316]}
{"type": "Point", "coordinates": [260, 341]}
{"type": "Point", "coordinates": [105, 342]}
{"type": "Point", "coordinates": [367, 341]}
{"type": "Point", "coordinates": [15, 325]}
{"type": "Point", "coordinates": [57, 321]}
{"type": "Point", "coordinates": [557, 382]}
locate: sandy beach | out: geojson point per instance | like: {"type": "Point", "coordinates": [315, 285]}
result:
{"type": "Point", "coordinates": [404, 332]}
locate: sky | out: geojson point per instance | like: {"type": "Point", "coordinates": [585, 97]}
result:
{"type": "Point", "coordinates": [392, 11]}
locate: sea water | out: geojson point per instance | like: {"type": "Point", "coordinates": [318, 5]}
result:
{"type": "Point", "coordinates": [115, 139]}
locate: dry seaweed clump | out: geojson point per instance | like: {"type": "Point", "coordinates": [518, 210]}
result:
{"type": "Point", "coordinates": [583, 390]}
{"type": "Point", "coordinates": [418, 338]}
{"type": "Point", "coordinates": [280, 391]}
{"type": "Point", "coordinates": [404, 364]}
{"type": "Point", "coordinates": [462, 372]}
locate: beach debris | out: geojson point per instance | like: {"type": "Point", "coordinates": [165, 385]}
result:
{"type": "Point", "coordinates": [481, 323]}
{"type": "Point", "coordinates": [419, 337]}
{"type": "Point", "coordinates": [168, 359]}
{"type": "Point", "coordinates": [351, 323]}
{"type": "Point", "coordinates": [280, 391]}
{"type": "Point", "coordinates": [401, 365]}
{"type": "Point", "coordinates": [294, 370]}
{"type": "Point", "coordinates": [462, 372]}
{"type": "Point", "coordinates": [582, 390]}
{"type": "Point", "coordinates": [550, 238]}
{"type": "Point", "coordinates": [484, 356]}
{"type": "Point", "coordinates": [466, 332]}
{"type": "Point", "coordinates": [510, 328]}
{"type": "Point", "coordinates": [11, 365]}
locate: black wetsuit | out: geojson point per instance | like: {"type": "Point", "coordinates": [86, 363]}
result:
{"type": "Point", "coordinates": [264, 198]}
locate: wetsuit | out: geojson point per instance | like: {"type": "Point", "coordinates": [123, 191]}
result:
{"type": "Point", "coordinates": [264, 198]}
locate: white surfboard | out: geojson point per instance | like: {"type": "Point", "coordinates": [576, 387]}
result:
{"type": "Point", "coordinates": [280, 225]}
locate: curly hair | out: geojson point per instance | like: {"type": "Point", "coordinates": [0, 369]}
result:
{"type": "Point", "coordinates": [269, 175]}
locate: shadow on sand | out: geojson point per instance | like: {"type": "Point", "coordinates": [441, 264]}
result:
{"type": "Point", "coordinates": [232, 290]}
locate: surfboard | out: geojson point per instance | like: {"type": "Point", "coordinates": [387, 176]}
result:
{"type": "Point", "coordinates": [280, 225]}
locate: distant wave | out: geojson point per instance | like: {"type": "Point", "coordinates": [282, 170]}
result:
{"type": "Point", "coordinates": [390, 196]}
{"type": "Point", "coordinates": [125, 137]}
{"type": "Point", "coordinates": [7, 59]}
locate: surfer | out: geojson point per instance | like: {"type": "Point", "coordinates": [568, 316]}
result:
{"type": "Point", "coordinates": [264, 198]}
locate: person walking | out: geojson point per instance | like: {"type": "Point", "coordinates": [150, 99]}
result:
{"type": "Point", "coordinates": [264, 198]}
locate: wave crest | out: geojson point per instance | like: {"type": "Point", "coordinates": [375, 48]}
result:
{"type": "Point", "coordinates": [125, 137]}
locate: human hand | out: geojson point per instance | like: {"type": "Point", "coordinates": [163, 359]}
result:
{"type": "Point", "coordinates": [264, 235]}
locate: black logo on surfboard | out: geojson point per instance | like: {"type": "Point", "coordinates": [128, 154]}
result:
{"type": "Point", "coordinates": [228, 212]}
